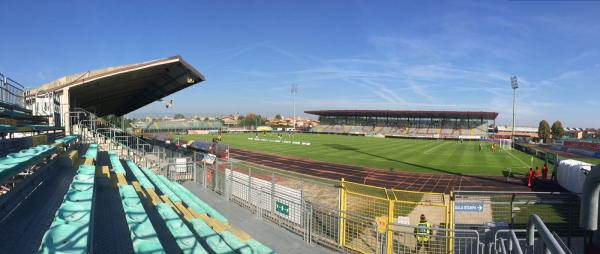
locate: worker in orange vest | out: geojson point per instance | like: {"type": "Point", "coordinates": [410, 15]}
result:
{"type": "Point", "coordinates": [530, 175]}
{"type": "Point", "coordinates": [537, 172]}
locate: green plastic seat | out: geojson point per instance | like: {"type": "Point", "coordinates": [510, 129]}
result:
{"type": "Point", "coordinates": [143, 230]}
{"type": "Point", "coordinates": [136, 215]}
{"type": "Point", "coordinates": [147, 247]}
{"type": "Point", "coordinates": [15, 158]}
{"type": "Point", "coordinates": [84, 178]}
{"type": "Point", "coordinates": [132, 202]}
{"type": "Point", "coordinates": [79, 196]}
{"type": "Point", "coordinates": [212, 239]}
{"type": "Point", "coordinates": [73, 213]}
{"type": "Point", "coordinates": [116, 164]}
{"type": "Point", "coordinates": [81, 185]}
{"type": "Point", "coordinates": [235, 243]}
{"type": "Point", "coordinates": [65, 238]}
{"type": "Point", "coordinates": [86, 170]}
{"type": "Point", "coordinates": [186, 240]}
{"type": "Point", "coordinates": [207, 208]}
{"type": "Point", "coordinates": [127, 191]}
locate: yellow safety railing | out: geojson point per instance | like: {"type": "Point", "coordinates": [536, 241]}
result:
{"type": "Point", "coordinates": [383, 206]}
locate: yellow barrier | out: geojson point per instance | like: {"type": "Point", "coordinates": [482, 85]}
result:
{"type": "Point", "coordinates": [39, 140]}
{"type": "Point", "coordinates": [383, 206]}
{"type": "Point", "coordinates": [11, 122]}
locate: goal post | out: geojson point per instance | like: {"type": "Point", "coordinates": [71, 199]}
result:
{"type": "Point", "coordinates": [505, 144]}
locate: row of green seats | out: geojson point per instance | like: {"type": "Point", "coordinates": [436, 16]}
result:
{"type": "Point", "coordinates": [207, 234]}
{"type": "Point", "coordinates": [39, 127]}
{"type": "Point", "coordinates": [14, 163]}
{"type": "Point", "coordinates": [184, 237]}
{"type": "Point", "coordinates": [223, 242]}
{"type": "Point", "coordinates": [142, 179]}
{"type": "Point", "coordinates": [116, 168]}
{"type": "Point", "coordinates": [143, 236]}
{"type": "Point", "coordinates": [249, 247]}
{"type": "Point", "coordinates": [194, 199]}
{"type": "Point", "coordinates": [70, 229]}
{"type": "Point", "coordinates": [65, 139]}
{"type": "Point", "coordinates": [161, 186]}
{"type": "Point", "coordinates": [6, 128]}
{"type": "Point", "coordinates": [92, 152]}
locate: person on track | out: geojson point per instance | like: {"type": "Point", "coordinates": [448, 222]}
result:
{"type": "Point", "coordinates": [545, 171]}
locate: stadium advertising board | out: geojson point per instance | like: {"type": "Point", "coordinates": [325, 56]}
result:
{"type": "Point", "coordinates": [583, 145]}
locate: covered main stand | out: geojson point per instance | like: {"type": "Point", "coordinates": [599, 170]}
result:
{"type": "Point", "coordinates": [114, 90]}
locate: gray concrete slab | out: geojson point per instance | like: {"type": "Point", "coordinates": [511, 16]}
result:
{"type": "Point", "coordinates": [276, 238]}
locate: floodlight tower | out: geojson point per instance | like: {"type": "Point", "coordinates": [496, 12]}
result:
{"type": "Point", "coordinates": [514, 84]}
{"type": "Point", "coordinates": [294, 92]}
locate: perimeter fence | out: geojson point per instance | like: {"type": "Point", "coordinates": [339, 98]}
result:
{"type": "Point", "coordinates": [358, 218]}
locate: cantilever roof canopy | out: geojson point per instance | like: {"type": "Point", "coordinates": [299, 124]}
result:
{"type": "Point", "coordinates": [122, 89]}
{"type": "Point", "coordinates": [405, 113]}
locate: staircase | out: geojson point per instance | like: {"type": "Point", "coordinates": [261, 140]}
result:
{"type": "Point", "coordinates": [112, 138]}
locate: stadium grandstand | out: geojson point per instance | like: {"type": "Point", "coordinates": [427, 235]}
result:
{"type": "Point", "coordinates": [71, 182]}
{"type": "Point", "coordinates": [179, 126]}
{"type": "Point", "coordinates": [406, 123]}
{"type": "Point", "coordinates": [71, 186]}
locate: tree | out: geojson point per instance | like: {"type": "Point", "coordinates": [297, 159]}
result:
{"type": "Point", "coordinates": [179, 116]}
{"type": "Point", "coordinates": [557, 130]}
{"type": "Point", "coordinates": [251, 119]}
{"type": "Point", "coordinates": [544, 130]}
{"type": "Point", "coordinates": [278, 117]}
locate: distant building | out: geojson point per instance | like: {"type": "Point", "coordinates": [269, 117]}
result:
{"type": "Point", "coordinates": [230, 120]}
{"type": "Point", "coordinates": [288, 122]}
{"type": "Point", "coordinates": [505, 131]}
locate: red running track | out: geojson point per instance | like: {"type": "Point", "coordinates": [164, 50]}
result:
{"type": "Point", "coordinates": [427, 182]}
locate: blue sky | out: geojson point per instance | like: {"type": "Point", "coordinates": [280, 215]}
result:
{"type": "Point", "coordinates": [449, 55]}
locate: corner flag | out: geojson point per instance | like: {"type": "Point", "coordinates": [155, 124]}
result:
{"type": "Point", "coordinates": [532, 161]}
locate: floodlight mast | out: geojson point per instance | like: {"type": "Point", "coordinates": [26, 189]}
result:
{"type": "Point", "coordinates": [294, 92]}
{"type": "Point", "coordinates": [514, 84]}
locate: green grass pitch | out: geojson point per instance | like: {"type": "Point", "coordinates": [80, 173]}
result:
{"type": "Point", "coordinates": [414, 155]}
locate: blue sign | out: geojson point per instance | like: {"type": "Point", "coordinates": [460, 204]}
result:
{"type": "Point", "coordinates": [468, 207]}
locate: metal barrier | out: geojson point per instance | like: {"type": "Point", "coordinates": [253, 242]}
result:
{"type": "Point", "coordinates": [389, 206]}
{"type": "Point", "coordinates": [11, 92]}
{"type": "Point", "coordinates": [502, 210]}
{"type": "Point", "coordinates": [405, 240]}
{"type": "Point", "coordinates": [546, 243]}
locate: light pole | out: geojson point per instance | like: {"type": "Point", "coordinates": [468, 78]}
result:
{"type": "Point", "coordinates": [514, 84]}
{"type": "Point", "coordinates": [294, 92]}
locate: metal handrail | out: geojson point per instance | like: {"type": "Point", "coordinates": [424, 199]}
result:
{"type": "Point", "coordinates": [11, 91]}
{"type": "Point", "coordinates": [549, 241]}
{"type": "Point", "coordinates": [535, 224]}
